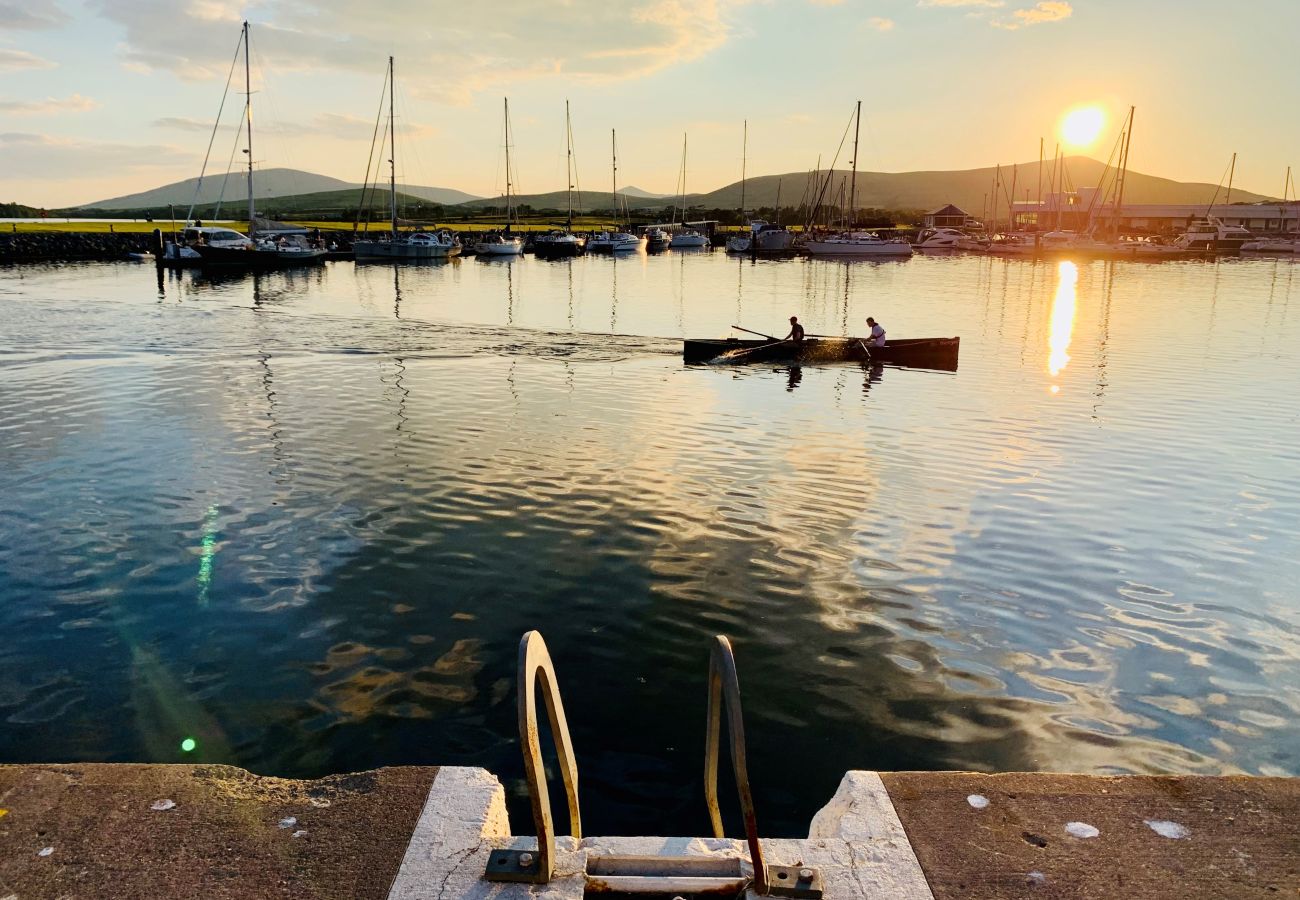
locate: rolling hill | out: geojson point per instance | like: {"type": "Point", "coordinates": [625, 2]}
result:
{"type": "Point", "coordinates": [269, 183]}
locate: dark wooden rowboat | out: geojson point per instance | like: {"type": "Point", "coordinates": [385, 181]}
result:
{"type": "Point", "coordinates": [922, 353]}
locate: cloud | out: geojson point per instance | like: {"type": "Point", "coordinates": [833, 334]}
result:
{"type": "Point", "coordinates": [521, 39]}
{"type": "Point", "coordinates": [1043, 11]}
{"type": "Point", "coordinates": [11, 60]}
{"type": "Point", "coordinates": [30, 17]}
{"type": "Point", "coordinates": [331, 125]}
{"type": "Point", "coordinates": [182, 123]}
{"type": "Point", "coordinates": [31, 156]}
{"type": "Point", "coordinates": [987, 4]}
{"type": "Point", "coordinates": [75, 103]}
{"type": "Point", "coordinates": [880, 24]}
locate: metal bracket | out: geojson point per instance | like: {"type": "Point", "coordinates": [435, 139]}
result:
{"type": "Point", "coordinates": [520, 865]}
{"type": "Point", "coordinates": [724, 685]}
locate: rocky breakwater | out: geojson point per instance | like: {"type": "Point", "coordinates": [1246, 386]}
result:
{"type": "Point", "coordinates": [53, 245]}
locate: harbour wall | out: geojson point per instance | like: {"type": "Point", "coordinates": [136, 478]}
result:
{"type": "Point", "coordinates": [71, 245]}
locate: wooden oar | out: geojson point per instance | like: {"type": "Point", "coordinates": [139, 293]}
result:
{"type": "Point", "coordinates": [732, 355]}
{"type": "Point", "coordinates": [759, 333]}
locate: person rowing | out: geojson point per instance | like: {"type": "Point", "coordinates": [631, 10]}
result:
{"type": "Point", "coordinates": [877, 336]}
{"type": "Point", "coordinates": [796, 331]}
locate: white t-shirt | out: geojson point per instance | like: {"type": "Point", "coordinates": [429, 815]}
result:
{"type": "Point", "coordinates": [877, 335]}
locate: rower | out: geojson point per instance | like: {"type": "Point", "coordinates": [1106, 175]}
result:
{"type": "Point", "coordinates": [877, 337]}
{"type": "Point", "coordinates": [796, 330]}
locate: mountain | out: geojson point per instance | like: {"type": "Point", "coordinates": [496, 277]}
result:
{"type": "Point", "coordinates": [268, 183]}
{"type": "Point", "coordinates": [966, 188]}
{"type": "Point", "coordinates": [630, 191]}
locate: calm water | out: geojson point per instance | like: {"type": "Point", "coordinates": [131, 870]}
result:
{"type": "Point", "coordinates": [304, 518]}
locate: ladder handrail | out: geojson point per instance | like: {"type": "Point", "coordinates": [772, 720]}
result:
{"type": "Point", "coordinates": [535, 665]}
{"type": "Point", "coordinates": [724, 684]}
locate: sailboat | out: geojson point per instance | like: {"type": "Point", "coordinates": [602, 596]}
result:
{"type": "Point", "coordinates": [856, 243]}
{"type": "Point", "coordinates": [557, 244]}
{"type": "Point", "coordinates": [1212, 233]}
{"type": "Point", "coordinates": [764, 237]}
{"type": "Point", "coordinates": [497, 244]}
{"type": "Point", "coordinates": [219, 247]}
{"type": "Point", "coordinates": [1282, 243]}
{"type": "Point", "coordinates": [398, 245]}
{"type": "Point", "coordinates": [611, 241]}
{"type": "Point", "coordinates": [686, 238]}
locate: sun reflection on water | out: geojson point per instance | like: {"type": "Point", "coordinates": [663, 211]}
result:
{"type": "Point", "coordinates": [1063, 306]}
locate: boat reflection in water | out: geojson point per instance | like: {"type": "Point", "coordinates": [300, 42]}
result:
{"type": "Point", "coordinates": [1062, 325]}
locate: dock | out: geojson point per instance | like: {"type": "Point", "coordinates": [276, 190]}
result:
{"type": "Point", "coordinates": [166, 831]}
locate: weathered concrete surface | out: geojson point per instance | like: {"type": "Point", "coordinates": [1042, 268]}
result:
{"type": "Point", "coordinates": [154, 831]}
{"type": "Point", "coordinates": [1225, 837]}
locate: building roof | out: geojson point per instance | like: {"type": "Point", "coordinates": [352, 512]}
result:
{"type": "Point", "coordinates": [948, 210]}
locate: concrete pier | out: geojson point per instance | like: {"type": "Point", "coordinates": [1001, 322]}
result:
{"type": "Point", "coordinates": [146, 831]}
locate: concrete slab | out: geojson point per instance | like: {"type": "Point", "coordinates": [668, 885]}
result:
{"type": "Point", "coordinates": [1080, 836]}
{"type": "Point", "coordinates": [152, 831]}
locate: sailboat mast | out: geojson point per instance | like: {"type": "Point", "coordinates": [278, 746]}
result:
{"type": "Point", "coordinates": [568, 162]}
{"type": "Point", "coordinates": [510, 212]}
{"type": "Point", "coordinates": [1232, 168]}
{"type": "Point", "coordinates": [392, 151]}
{"type": "Point", "coordinates": [248, 113]}
{"type": "Point", "coordinates": [1123, 169]}
{"type": "Point", "coordinates": [1038, 200]}
{"type": "Point", "coordinates": [744, 158]}
{"type": "Point", "coordinates": [853, 189]}
{"type": "Point", "coordinates": [613, 155]}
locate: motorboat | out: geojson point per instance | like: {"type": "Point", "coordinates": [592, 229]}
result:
{"type": "Point", "coordinates": [657, 239]}
{"type": "Point", "coordinates": [496, 244]}
{"type": "Point", "coordinates": [406, 245]}
{"type": "Point", "coordinates": [557, 244]}
{"type": "Point", "coordinates": [689, 238]}
{"type": "Point", "coordinates": [1212, 233]}
{"type": "Point", "coordinates": [1280, 244]}
{"type": "Point", "coordinates": [613, 242]}
{"type": "Point", "coordinates": [939, 239]}
{"type": "Point", "coordinates": [181, 251]}
{"type": "Point", "coordinates": [857, 243]}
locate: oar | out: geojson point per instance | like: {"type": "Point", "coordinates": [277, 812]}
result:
{"type": "Point", "coordinates": [732, 356]}
{"type": "Point", "coordinates": [759, 333]}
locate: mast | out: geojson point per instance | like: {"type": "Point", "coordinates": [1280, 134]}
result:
{"type": "Point", "coordinates": [1123, 169]}
{"type": "Point", "coordinates": [1038, 200]}
{"type": "Point", "coordinates": [568, 162]}
{"type": "Point", "coordinates": [248, 114]}
{"type": "Point", "coordinates": [1232, 168]}
{"type": "Point", "coordinates": [683, 198]}
{"type": "Point", "coordinates": [509, 209]}
{"type": "Point", "coordinates": [853, 189]}
{"type": "Point", "coordinates": [778, 201]}
{"type": "Point", "coordinates": [392, 151]}
{"type": "Point", "coordinates": [744, 157]}
{"type": "Point", "coordinates": [613, 150]}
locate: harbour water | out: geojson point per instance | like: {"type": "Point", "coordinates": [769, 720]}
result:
{"type": "Point", "coordinates": [303, 518]}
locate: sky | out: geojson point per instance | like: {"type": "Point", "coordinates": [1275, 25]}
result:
{"type": "Point", "coordinates": [100, 98]}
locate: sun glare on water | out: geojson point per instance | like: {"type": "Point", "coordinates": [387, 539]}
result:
{"type": "Point", "coordinates": [1081, 126]}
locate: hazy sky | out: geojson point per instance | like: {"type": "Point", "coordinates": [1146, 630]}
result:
{"type": "Point", "coordinates": [105, 97]}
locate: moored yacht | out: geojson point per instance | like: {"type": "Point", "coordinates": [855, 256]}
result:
{"type": "Point", "coordinates": [613, 242]}
{"type": "Point", "coordinates": [556, 244]}
{"type": "Point", "coordinates": [1280, 244]}
{"type": "Point", "coordinates": [688, 238]}
{"type": "Point", "coordinates": [857, 243]}
{"type": "Point", "coordinates": [497, 244]}
{"type": "Point", "coordinates": [939, 239]}
{"type": "Point", "coordinates": [1212, 233]}
{"type": "Point", "coordinates": [656, 239]}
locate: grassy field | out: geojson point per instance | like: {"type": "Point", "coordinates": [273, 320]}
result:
{"type": "Point", "coordinates": [584, 223]}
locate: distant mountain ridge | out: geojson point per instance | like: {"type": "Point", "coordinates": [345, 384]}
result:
{"type": "Point", "coordinates": [267, 184]}
{"type": "Point", "coordinates": [926, 190]}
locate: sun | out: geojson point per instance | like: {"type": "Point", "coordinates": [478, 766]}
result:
{"type": "Point", "coordinates": [1081, 126]}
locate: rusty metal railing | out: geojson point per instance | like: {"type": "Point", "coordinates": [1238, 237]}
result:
{"type": "Point", "coordinates": [535, 667]}
{"type": "Point", "coordinates": [724, 685]}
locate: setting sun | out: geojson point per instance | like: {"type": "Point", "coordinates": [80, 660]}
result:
{"type": "Point", "coordinates": [1081, 126]}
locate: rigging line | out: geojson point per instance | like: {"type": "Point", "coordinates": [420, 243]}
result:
{"type": "Point", "coordinates": [230, 164]}
{"type": "Point", "coordinates": [411, 150]}
{"type": "Point", "coordinates": [215, 126]}
{"type": "Point", "coordinates": [278, 124]}
{"type": "Point", "coordinates": [573, 154]}
{"type": "Point", "coordinates": [1224, 177]}
{"type": "Point", "coordinates": [365, 184]}
{"type": "Point", "coordinates": [830, 173]}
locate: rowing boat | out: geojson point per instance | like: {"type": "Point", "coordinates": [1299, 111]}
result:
{"type": "Point", "coordinates": [923, 353]}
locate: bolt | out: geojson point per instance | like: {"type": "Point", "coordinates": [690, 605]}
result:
{"type": "Point", "coordinates": [805, 873]}
{"type": "Point", "coordinates": [525, 860]}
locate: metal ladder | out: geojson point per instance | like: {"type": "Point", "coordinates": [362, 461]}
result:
{"type": "Point", "coordinates": [642, 874]}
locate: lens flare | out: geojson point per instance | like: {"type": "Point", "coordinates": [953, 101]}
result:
{"type": "Point", "coordinates": [188, 745]}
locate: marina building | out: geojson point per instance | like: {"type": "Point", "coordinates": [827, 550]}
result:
{"type": "Point", "coordinates": [1074, 210]}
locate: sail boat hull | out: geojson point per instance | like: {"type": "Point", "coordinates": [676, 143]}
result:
{"type": "Point", "coordinates": [406, 249]}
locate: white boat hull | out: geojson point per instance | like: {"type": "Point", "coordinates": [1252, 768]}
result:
{"type": "Point", "coordinates": [858, 248]}
{"type": "Point", "coordinates": [400, 250]}
{"type": "Point", "coordinates": [507, 248]}
{"type": "Point", "coordinates": [688, 241]}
